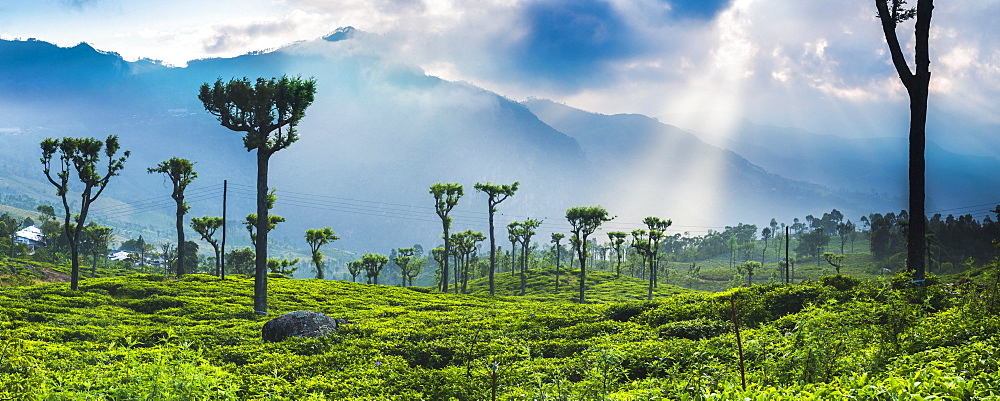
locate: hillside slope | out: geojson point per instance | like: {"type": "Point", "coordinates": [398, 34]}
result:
{"type": "Point", "coordinates": [141, 337]}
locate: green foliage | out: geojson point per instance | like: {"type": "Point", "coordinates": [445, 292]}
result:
{"type": "Point", "coordinates": [316, 238]}
{"type": "Point", "coordinates": [159, 337]}
{"type": "Point", "coordinates": [80, 155]}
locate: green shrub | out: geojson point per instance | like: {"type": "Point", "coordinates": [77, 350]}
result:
{"type": "Point", "coordinates": [840, 282]}
{"type": "Point", "coordinates": [694, 329]}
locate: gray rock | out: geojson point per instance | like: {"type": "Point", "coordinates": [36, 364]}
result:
{"type": "Point", "coordinates": [300, 324]}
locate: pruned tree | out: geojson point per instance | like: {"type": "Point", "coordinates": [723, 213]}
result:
{"type": "Point", "coordinates": [657, 230]}
{"type": "Point", "coordinates": [765, 235]}
{"type": "Point", "coordinates": [844, 230]}
{"type": "Point", "coordinates": [181, 173]}
{"type": "Point", "coordinates": [438, 254]}
{"type": "Point", "coordinates": [402, 259]}
{"type": "Point", "coordinates": [250, 223]}
{"type": "Point", "coordinates": [445, 198]}
{"type": "Point", "coordinates": [890, 14]}
{"type": "Point", "coordinates": [835, 260]}
{"type": "Point", "coordinates": [413, 268]}
{"type": "Point", "coordinates": [80, 155]}
{"type": "Point", "coordinates": [373, 264]}
{"type": "Point", "coordinates": [584, 221]}
{"type": "Point", "coordinates": [355, 267]}
{"type": "Point", "coordinates": [523, 232]}
{"type": "Point", "coordinates": [495, 194]}
{"type": "Point", "coordinates": [512, 236]}
{"type": "Point", "coordinates": [168, 256]}
{"type": "Point", "coordinates": [556, 239]}
{"type": "Point", "coordinates": [266, 112]}
{"type": "Point", "coordinates": [617, 241]}
{"type": "Point", "coordinates": [97, 242]}
{"type": "Point", "coordinates": [749, 268]}
{"type": "Point", "coordinates": [812, 244]}
{"type": "Point", "coordinates": [465, 244]}
{"type": "Point", "coordinates": [206, 227]}
{"type": "Point", "coordinates": [317, 237]}
{"type": "Point", "coordinates": [284, 267]}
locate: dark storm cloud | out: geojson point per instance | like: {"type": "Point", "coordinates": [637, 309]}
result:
{"type": "Point", "coordinates": [571, 43]}
{"type": "Point", "coordinates": [697, 9]}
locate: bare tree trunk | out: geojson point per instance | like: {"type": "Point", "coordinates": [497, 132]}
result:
{"type": "Point", "coordinates": [917, 88]}
{"type": "Point", "coordinates": [260, 265]}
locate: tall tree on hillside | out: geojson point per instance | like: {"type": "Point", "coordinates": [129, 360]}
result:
{"type": "Point", "coordinates": [584, 221]}
{"type": "Point", "coordinates": [556, 238]}
{"type": "Point", "coordinates": [657, 230]}
{"type": "Point", "coordinates": [465, 244]}
{"type": "Point", "coordinates": [890, 14]}
{"type": "Point", "coordinates": [317, 237]}
{"type": "Point", "coordinates": [438, 255]}
{"type": "Point", "coordinates": [835, 260]}
{"type": "Point", "coordinates": [250, 223]}
{"type": "Point", "coordinates": [617, 241]}
{"type": "Point", "coordinates": [812, 244]}
{"type": "Point", "coordinates": [181, 173]}
{"type": "Point", "coordinates": [748, 268]}
{"type": "Point", "coordinates": [267, 112]}
{"type": "Point", "coordinates": [524, 231]}
{"type": "Point", "coordinates": [46, 213]}
{"type": "Point", "coordinates": [206, 227]}
{"type": "Point", "coordinates": [373, 264]}
{"type": "Point", "coordinates": [402, 259]}
{"type": "Point", "coordinates": [512, 230]}
{"type": "Point", "coordinates": [97, 242]}
{"type": "Point", "coordinates": [765, 235]}
{"type": "Point", "coordinates": [844, 230]}
{"type": "Point", "coordinates": [495, 194]}
{"type": "Point", "coordinates": [8, 229]}
{"type": "Point", "coordinates": [355, 267]}
{"type": "Point", "coordinates": [80, 155]}
{"type": "Point", "coordinates": [445, 198]}
{"type": "Point", "coordinates": [168, 255]}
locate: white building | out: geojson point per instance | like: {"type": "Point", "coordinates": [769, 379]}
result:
{"type": "Point", "coordinates": [31, 236]}
{"type": "Point", "coordinates": [118, 255]}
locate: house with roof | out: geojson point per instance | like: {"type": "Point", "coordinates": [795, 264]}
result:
{"type": "Point", "coordinates": [31, 235]}
{"type": "Point", "coordinates": [118, 255]}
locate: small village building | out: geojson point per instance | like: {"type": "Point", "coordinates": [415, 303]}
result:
{"type": "Point", "coordinates": [31, 235]}
{"type": "Point", "coordinates": [118, 255]}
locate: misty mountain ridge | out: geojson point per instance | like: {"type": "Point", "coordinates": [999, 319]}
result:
{"type": "Point", "coordinates": [378, 134]}
{"type": "Point", "coordinates": [868, 164]}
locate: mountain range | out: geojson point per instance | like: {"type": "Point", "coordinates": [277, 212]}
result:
{"type": "Point", "coordinates": [380, 133]}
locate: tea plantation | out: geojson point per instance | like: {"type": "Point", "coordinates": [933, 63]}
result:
{"type": "Point", "coordinates": [150, 337]}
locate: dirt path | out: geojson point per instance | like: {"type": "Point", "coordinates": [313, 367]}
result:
{"type": "Point", "coordinates": [52, 276]}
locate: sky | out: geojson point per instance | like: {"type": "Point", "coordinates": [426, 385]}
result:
{"type": "Point", "coordinates": [701, 65]}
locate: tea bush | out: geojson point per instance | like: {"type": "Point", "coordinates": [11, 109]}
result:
{"type": "Point", "coordinates": [155, 337]}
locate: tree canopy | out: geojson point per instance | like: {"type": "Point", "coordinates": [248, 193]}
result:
{"type": "Point", "coordinates": [82, 156]}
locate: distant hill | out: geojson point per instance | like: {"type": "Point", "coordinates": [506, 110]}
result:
{"type": "Point", "coordinates": [868, 164]}
{"type": "Point", "coordinates": [670, 172]}
{"type": "Point", "coordinates": [377, 136]}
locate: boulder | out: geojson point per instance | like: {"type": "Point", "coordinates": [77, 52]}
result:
{"type": "Point", "coordinates": [300, 324]}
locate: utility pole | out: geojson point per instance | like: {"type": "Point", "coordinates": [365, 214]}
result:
{"type": "Point", "coordinates": [788, 262]}
{"type": "Point", "coordinates": [222, 256]}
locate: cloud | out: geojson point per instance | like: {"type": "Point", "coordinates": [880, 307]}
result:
{"type": "Point", "coordinates": [238, 37]}
{"type": "Point", "coordinates": [697, 9]}
{"type": "Point", "coordinates": [571, 41]}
